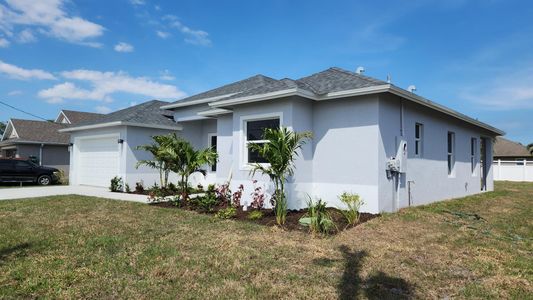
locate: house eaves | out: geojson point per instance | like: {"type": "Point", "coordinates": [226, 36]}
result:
{"type": "Point", "coordinates": [120, 123]}
{"type": "Point", "coordinates": [357, 92]}
{"type": "Point", "coordinates": [196, 102]}
{"type": "Point", "coordinates": [7, 127]}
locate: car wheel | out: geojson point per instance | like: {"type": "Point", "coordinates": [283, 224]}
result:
{"type": "Point", "coordinates": [44, 180]}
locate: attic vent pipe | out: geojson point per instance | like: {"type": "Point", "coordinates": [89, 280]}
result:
{"type": "Point", "coordinates": [411, 88]}
{"type": "Point", "coordinates": [360, 70]}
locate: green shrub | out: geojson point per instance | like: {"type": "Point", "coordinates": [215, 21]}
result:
{"type": "Point", "coordinates": [317, 217]}
{"type": "Point", "coordinates": [205, 203]}
{"type": "Point", "coordinates": [116, 184]}
{"type": "Point", "coordinates": [127, 188]}
{"type": "Point", "coordinates": [227, 213]}
{"type": "Point", "coordinates": [255, 215]}
{"type": "Point", "coordinates": [353, 203]}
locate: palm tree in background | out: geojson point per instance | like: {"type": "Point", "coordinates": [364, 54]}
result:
{"type": "Point", "coordinates": [530, 148]}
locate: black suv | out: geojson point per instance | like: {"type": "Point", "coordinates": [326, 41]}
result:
{"type": "Point", "coordinates": [17, 170]}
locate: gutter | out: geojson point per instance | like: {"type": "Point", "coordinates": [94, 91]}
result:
{"type": "Point", "coordinates": [121, 123]}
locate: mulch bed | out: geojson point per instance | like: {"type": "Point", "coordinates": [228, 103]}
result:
{"type": "Point", "coordinates": [291, 222]}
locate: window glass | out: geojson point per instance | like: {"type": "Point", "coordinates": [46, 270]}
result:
{"type": "Point", "coordinates": [418, 139]}
{"type": "Point", "coordinates": [451, 158]}
{"type": "Point", "coordinates": [22, 164]}
{"type": "Point", "coordinates": [254, 135]}
{"type": "Point", "coordinates": [213, 142]}
{"type": "Point", "coordinates": [255, 129]}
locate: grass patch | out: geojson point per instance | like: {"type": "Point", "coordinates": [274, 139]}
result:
{"type": "Point", "coordinates": [83, 247]}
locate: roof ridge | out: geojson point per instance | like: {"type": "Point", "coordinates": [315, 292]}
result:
{"type": "Point", "coordinates": [367, 78]}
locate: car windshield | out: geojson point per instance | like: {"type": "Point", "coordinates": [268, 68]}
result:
{"type": "Point", "coordinates": [32, 163]}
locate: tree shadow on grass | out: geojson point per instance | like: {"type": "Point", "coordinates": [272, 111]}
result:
{"type": "Point", "coordinates": [16, 251]}
{"type": "Point", "coordinates": [378, 286]}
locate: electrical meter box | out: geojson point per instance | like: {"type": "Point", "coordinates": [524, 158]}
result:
{"type": "Point", "coordinates": [398, 163]}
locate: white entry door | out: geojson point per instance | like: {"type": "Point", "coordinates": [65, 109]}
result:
{"type": "Point", "coordinates": [97, 161]}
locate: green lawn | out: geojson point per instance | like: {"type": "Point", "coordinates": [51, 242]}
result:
{"type": "Point", "coordinates": [82, 247]}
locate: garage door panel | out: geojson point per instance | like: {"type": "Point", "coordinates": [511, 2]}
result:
{"type": "Point", "coordinates": [98, 161]}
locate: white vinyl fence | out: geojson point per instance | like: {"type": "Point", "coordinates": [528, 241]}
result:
{"type": "Point", "coordinates": [513, 170]}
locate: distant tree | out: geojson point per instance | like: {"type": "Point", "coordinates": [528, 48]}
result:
{"type": "Point", "coordinates": [2, 127]}
{"type": "Point", "coordinates": [530, 148]}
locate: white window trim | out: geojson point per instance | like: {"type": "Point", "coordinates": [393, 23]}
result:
{"type": "Point", "coordinates": [244, 165]}
{"type": "Point", "coordinates": [419, 140]}
{"type": "Point", "coordinates": [209, 136]}
{"type": "Point", "coordinates": [451, 173]}
{"type": "Point", "coordinates": [474, 157]}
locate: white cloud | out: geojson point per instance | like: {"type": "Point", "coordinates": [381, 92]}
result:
{"type": "Point", "coordinates": [166, 75]}
{"type": "Point", "coordinates": [15, 72]}
{"type": "Point", "coordinates": [104, 84]}
{"type": "Point", "coordinates": [14, 93]}
{"type": "Point", "coordinates": [50, 18]}
{"type": "Point", "coordinates": [162, 34]}
{"type": "Point", "coordinates": [26, 36]}
{"type": "Point", "coordinates": [509, 92]}
{"type": "Point", "coordinates": [4, 43]}
{"type": "Point", "coordinates": [102, 109]}
{"type": "Point", "coordinates": [123, 47]}
{"type": "Point", "coordinates": [192, 36]}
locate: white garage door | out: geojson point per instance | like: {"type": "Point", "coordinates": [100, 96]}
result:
{"type": "Point", "coordinates": [98, 161]}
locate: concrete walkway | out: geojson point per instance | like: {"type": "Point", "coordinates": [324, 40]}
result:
{"type": "Point", "coordinates": [43, 191]}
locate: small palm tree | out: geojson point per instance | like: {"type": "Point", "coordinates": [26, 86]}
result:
{"type": "Point", "coordinates": [161, 156]}
{"type": "Point", "coordinates": [280, 153]}
{"type": "Point", "coordinates": [186, 160]}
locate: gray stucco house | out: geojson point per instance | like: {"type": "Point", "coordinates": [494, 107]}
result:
{"type": "Point", "coordinates": [359, 123]}
{"type": "Point", "coordinates": [41, 139]}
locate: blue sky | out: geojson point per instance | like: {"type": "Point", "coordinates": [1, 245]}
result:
{"type": "Point", "coordinates": [473, 56]}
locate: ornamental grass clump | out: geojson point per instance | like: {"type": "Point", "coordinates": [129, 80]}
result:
{"type": "Point", "coordinates": [317, 218]}
{"type": "Point", "coordinates": [353, 204]}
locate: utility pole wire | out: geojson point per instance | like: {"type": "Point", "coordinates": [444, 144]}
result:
{"type": "Point", "coordinates": [22, 111]}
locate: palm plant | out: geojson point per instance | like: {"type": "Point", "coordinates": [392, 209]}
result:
{"type": "Point", "coordinates": [186, 160]}
{"type": "Point", "coordinates": [161, 156]}
{"type": "Point", "coordinates": [280, 153]}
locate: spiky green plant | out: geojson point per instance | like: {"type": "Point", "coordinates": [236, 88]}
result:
{"type": "Point", "coordinates": [280, 152]}
{"type": "Point", "coordinates": [353, 203]}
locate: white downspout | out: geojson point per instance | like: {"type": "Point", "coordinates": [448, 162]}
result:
{"type": "Point", "coordinates": [41, 155]}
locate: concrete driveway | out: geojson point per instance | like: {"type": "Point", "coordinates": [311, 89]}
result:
{"type": "Point", "coordinates": [43, 191]}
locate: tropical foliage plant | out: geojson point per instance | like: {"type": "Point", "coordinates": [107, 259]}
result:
{"type": "Point", "coordinates": [353, 204]}
{"type": "Point", "coordinates": [161, 156]}
{"type": "Point", "coordinates": [227, 213]}
{"type": "Point", "coordinates": [317, 218]}
{"type": "Point", "coordinates": [280, 152]}
{"type": "Point", "coordinates": [116, 184]}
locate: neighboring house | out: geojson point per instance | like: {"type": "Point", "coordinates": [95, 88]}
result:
{"type": "Point", "coordinates": [512, 161]}
{"type": "Point", "coordinates": [358, 123]}
{"type": "Point", "coordinates": [507, 150]}
{"type": "Point", "coordinates": [41, 139]}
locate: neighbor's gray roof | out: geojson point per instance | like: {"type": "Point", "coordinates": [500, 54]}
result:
{"type": "Point", "coordinates": [506, 148]}
{"type": "Point", "coordinates": [76, 117]}
{"type": "Point", "coordinates": [148, 113]}
{"type": "Point", "coordinates": [29, 131]}
{"type": "Point", "coordinates": [330, 80]}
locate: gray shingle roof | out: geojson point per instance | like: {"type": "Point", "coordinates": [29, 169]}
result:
{"type": "Point", "coordinates": [506, 148]}
{"type": "Point", "coordinates": [39, 131]}
{"type": "Point", "coordinates": [327, 81]}
{"type": "Point", "coordinates": [232, 88]}
{"type": "Point", "coordinates": [76, 117]}
{"type": "Point", "coordinates": [148, 113]}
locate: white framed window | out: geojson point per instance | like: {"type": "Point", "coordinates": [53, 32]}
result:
{"type": "Point", "coordinates": [212, 143]}
{"type": "Point", "coordinates": [473, 155]}
{"type": "Point", "coordinates": [253, 128]}
{"type": "Point", "coordinates": [419, 133]}
{"type": "Point", "coordinates": [451, 153]}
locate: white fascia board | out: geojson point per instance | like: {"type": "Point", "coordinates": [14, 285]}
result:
{"type": "Point", "coordinates": [255, 98]}
{"type": "Point", "coordinates": [9, 123]}
{"type": "Point", "coordinates": [425, 102]}
{"type": "Point", "coordinates": [35, 143]}
{"type": "Point", "coordinates": [192, 118]}
{"type": "Point", "coordinates": [120, 123]}
{"type": "Point", "coordinates": [355, 92]}
{"type": "Point", "coordinates": [66, 118]}
{"type": "Point", "coordinates": [214, 112]}
{"type": "Point", "coordinates": [194, 102]}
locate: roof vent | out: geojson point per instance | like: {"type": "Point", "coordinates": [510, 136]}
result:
{"type": "Point", "coordinates": [360, 70]}
{"type": "Point", "coordinates": [411, 88]}
{"type": "Point", "coordinates": [389, 78]}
